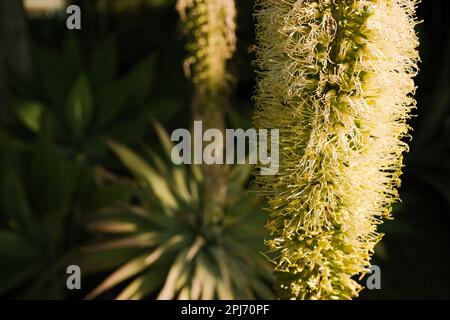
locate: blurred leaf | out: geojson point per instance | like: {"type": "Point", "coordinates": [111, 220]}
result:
{"type": "Point", "coordinates": [143, 285]}
{"type": "Point", "coordinates": [140, 168]}
{"type": "Point", "coordinates": [120, 223]}
{"type": "Point", "coordinates": [29, 113]}
{"type": "Point", "coordinates": [203, 263]}
{"type": "Point", "coordinates": [140, 79]}
{"type": "Point", "coordinates": [163, 138]}
{"type": "Point", "coordinates": [111, 98]}
{"type": "Point", "coordinates": [143, 240]}
{"type": "Point", "coordinates": [53, 78]}
{"type": "Point", "coordinates": [38, 195]}
{"type": "Point", "coordinates": [79, 107]}
{"type": "Point", "coordinates": [92, 262]}
{"type": "Point", "coordinates": [104, 63]}
{"type": "Point", "coordinates": [169, 289]}
{"type": "Point", "coordinates": [16, 276]}
{"type": "Point", "coordinates": [165, 109]}
{"type": "Point", "coordinates": [133, 267]}
{"type": "Point", "coordinates": [14, 247]}
{"type": "Point", "coordinates": [16, 203]}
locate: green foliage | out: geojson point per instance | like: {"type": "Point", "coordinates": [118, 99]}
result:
{"type": "Point", "coordinates": [79, 102]}
{"type": "Point", "coordinates": [42, 200]}
{"type": "Point", "coordinates": [176, 251]}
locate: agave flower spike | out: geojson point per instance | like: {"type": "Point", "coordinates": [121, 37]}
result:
{"type": "Point", "coordinates": [336, 77]}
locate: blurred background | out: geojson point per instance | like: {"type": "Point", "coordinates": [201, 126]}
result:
{"type": "Point", "coordinates": [86, 180]}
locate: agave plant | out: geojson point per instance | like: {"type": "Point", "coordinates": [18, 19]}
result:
{"type": "Point", "coordinates": [78, 99]}
{"type": "Point", "coordinates": [176, 251]}
{"type": "Point", "coordinates": [42, 201]}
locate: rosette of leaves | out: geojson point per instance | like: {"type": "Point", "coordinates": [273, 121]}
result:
{"type": "Point", "coordinates": [78, 99]}
{"type": "Point", "coordinates": [336, 77]}
{"type": "Point", "coordinates": [163, 244]}
{"type": "Point", "coordinates": [42, 201]}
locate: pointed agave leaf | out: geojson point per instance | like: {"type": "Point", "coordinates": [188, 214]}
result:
{"type": "Point", "coordinates": [224, 291]}
{"type": "Point", "coordinates": [179, 177]}
{"type": "Point", "coordinates": [183, 280]}
{"type": "Point", "coordinates": [53, 78]}
{"type": "Point", "coordinates": [13, 246]}
{"type": "Point", "coordinates": [15, 276]}
{"type": "Point", "coordinates": [207, 277]}
{"type": "Point", "coordinates": [224, 287]}
{"type": "Point", "coordinates": [122, 221]}
{"type": "Point", "coordinates": [16, 203]}
{"type": "Point", "coordinates": [29, 113]}
{"type": "Point", "coordinates": [79, 107]}
{"type": "Point", "coordinates": [111, 98]}
{"type": "Point", "coordinates": [127, 271]}
{"type": "Point", "coordinates": [143, 240]}
{"type": "Point", "coordinates": [202, 281]}
{"type": "Point", "coordinates": [138, 82]}
{"type": "Point", "coordinates": [112, 226]}
{"type": "Point", "coordinates": [141, 169]}
{"type": "Point", "coordinates": [195, 197]}
{"type": "Point", "coordinates": [185, 294]}
{"type": "Point", "coordinates": [163, 138]}
{"type": "Point", "coordinates": [104, 63]}
{"type": "Point", "coordinates": [169, 290]}
{"type": "Point", "coordinates": [197, 172]}
{"type": "Point", "coordinates": [134, 267]}
{"type": "Point", "coordinates": [143, 285]}
{"type": "Point", "coordinates": [195, 248]}
{"type": "Point", "coordinates": [101, 261]}
{"type": "Point", "coordinates": [69, 177]}
{"type": "Point", "coordinates": [240, 279]}
{"type": "Point", "coordinates": [160, 164]}
{"type": "Point", "coordinates": [196, 287]}
{"type": "Point", "coordinates": [45, 176]}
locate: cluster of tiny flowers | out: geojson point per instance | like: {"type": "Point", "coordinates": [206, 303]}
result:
{"type": "Point", "coordinates": [210, 29]}
{"type": "Point", "coordinates": [336, 78]}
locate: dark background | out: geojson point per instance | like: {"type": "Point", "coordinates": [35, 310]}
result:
{"type": "Point", "coordinates": [414, 256]}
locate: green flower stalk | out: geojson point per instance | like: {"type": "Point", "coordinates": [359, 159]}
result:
{"type": "Point", "coordinates": [336, 77]}
{"type": "Point", "coordinates": [210, 30]}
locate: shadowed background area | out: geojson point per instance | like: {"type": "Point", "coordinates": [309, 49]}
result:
{"type": "Point", "coordinates": [76, 110]}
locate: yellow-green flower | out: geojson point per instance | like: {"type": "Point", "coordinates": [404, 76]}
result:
{"type": "Point", "coordinates": [336, 77]}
